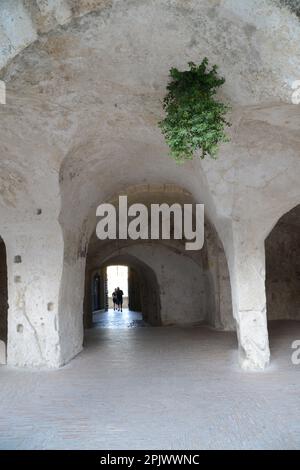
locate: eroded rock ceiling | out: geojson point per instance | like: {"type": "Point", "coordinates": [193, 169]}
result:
{"type": "Point", "coordinates": [84, 97]}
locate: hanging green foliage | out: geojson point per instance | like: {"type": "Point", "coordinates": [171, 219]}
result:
{"type": "Point", "coordinates": [195, 120]}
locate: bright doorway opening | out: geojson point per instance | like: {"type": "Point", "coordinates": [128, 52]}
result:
{"type": "Point", "coordinates": [117, 277]}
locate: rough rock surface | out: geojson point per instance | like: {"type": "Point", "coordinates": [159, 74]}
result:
{"type": "Point", "coordinates": [84, 81]}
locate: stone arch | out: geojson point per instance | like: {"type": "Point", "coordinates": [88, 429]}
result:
{"type": "Point", "coordinates": [96, 291]}
{"type": "Point", "coordinates": [282, 248]}
{"type": "Point", "coordinates": [79, 243]}
{"type": "Point", "coordinates": [111, 128]}
{"type": "Point", "coordinates": [211, 258]}
{"type": "Point", "coordinates": [150, 292]}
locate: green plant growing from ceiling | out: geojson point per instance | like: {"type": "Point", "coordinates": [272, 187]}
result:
{"type": "Point", "coordinates": [195, 120]}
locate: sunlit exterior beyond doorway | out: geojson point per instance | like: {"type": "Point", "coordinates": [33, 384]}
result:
{"type": "Point", "coordinates": [117, 276]}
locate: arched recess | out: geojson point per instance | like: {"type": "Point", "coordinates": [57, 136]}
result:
{"type": "Point", "coordinates": [96, 292]}
{"type": "Point", "coordinates": [282, 248]}
{"type": "Point", "coordinates": [193, 289]}
{"type": "Point", "coordinates": [208, 266]}
{"type": "Point", "coordinates": [148, 284]}
{"type": "Point", "coordinates": [88, 254]}
{"type": "Point", "coordinates": [3, 302]}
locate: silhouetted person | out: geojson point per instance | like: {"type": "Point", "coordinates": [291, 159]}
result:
{"type": "Point", "coordinates": [120, 294]}
{"type": "Point", "coordinates": [115, 299]}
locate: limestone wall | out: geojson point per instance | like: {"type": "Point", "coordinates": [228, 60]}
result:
{"type": "Point", "coordinates": [85, 81]}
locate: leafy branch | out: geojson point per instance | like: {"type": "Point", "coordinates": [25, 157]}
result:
{"type": "Point", "coordinates": [194, 120]}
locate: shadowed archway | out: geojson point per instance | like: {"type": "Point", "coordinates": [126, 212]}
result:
{"type": "Point", "coordinates": [144, 293]}
{"type": "Point", "coordinates": [3, 302]}
{"type": "Point", "coordinates": [283, 276]}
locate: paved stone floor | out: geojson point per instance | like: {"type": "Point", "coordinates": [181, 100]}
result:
{"type": "Point", "coordinates": [115, 319]}
{"type": "Point", "coordinates": [155, 388]}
